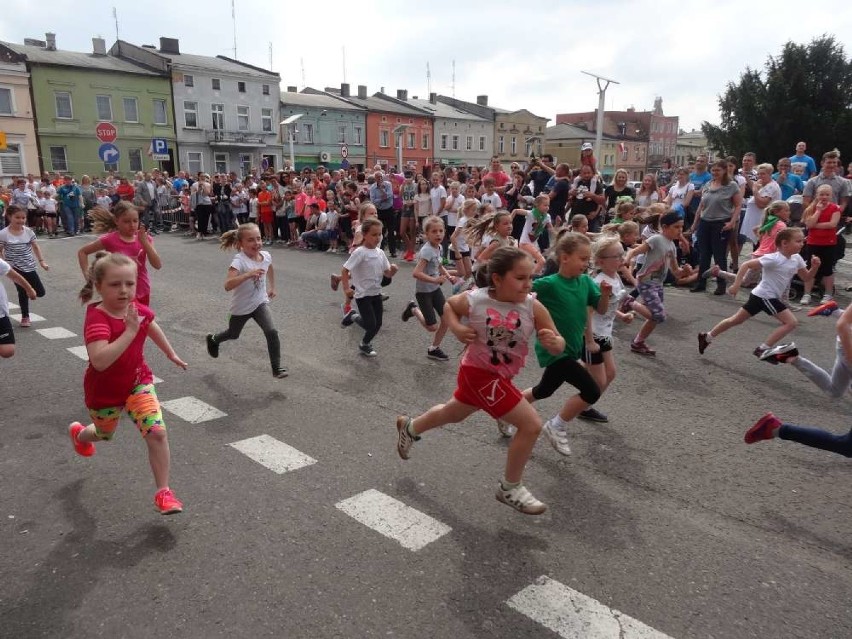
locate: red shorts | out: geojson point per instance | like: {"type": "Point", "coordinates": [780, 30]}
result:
{"type": "Point", "coordinates": [266, 217]}
{"type": "Point", "coordinates": [487, 390]}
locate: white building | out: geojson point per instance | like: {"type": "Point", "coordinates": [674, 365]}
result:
{"type": "Point", "coordinates": [460, 137]}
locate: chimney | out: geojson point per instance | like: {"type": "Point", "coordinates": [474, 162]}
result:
{"type": "Point", "coordinates": [482, 100]}
{"type": "Point", "coordinates": [170, 45]}
{"type": "Point", "coordinates": [50, 38]}
{"type": "Point", "coordinates": [658, 106]}
{"type": "Point", "coordinates": [402, 94]}
{"type": "Point", "coordinates": [292, 90]}
{"type": "Point", "coordinates": [362, 91]}
{"type": "Point", "coordinates": [344, 90]}
{"type": "Point", "coordinates": [433, 98]}
{"type": "Point", "coordinates": [382, 90]}
{"type": "Point", "coordinates": [98, 46]}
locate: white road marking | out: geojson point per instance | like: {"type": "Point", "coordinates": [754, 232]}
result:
{"type": "Point", "coordinates": [13, 306]}
{"type": "Point", "coordinates": [157, 380]}
{"type": "Point", "coordinates": [273, 454]}
{"type": "Point", "coordinates": [33, 317]}
{"type": "Point", "coordinates": [192, 410]}
{"type": "Point", "coordinates": [573, 615]}
{"type": "Point", "coordinates": [384, 514]}
{"type": "Point", "coordinates": [55, 333]}
{"type": "Point", "coordinates": [79, 351]}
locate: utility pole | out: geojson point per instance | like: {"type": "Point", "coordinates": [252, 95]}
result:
{"type": "Point", "coordinates": [603, 85]}
{"type": "Point", "coordinates": [454, 78]}
{"type": "Point", "coordinates": [428, 81]}
{"type": "Point", "coordinates": [234, 21]}
{"type": "Point", "coordinates": [115, 17]}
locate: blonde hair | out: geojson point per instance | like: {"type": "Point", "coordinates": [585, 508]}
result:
{"type": "Point", "coordinates": [362, 210]}
{"type": "Point", "coordinates": [570, 243]}
{"type": "Point", "coordinates": [626, 228]}
{"type": "Point", "coordinates": [541, 198]}
{"type": "Point", "coordinates": [431, 221]}
{"type": "Point", "coordinates": [623, 207]}
{"type": "Point", "coordinates": [479, 227]}
{"type": "Point", "coordinates": [604, 243]}
{"type": "Point", "coordinates": [231, 239]}
{"type": "Point", "coordinates": [766, 166]}
{"type": "Point", "coordinates": [104, 221]}
{"type": "Point", "coordinates": [578, 220]}
{"type": "Point", "coordinates": [468, 205]}
{"type": "Point", "coordinates": [97, 270]}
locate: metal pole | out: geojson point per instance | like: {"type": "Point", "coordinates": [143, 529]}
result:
{"type": "Point", "coordinates": [292, 157]}
{"type": "Point", "coordinates": [399, 154]}
{"type": "Point", "coordinates": [601, 105]}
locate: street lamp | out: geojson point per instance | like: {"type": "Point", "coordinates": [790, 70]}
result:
{"type": "Point", "coordinates": [601, 103]}
{"type": "Point", "coordinates": [291, 132]}
{"type": "Point", "coordinates": [398, 131]}
{"type": "Point", "coordinates": [528, 142]}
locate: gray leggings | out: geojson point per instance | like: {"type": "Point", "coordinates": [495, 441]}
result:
{"type": "Point", "coordinates": [835, 384]}
{"type": "Point", "coordinates": [263, 317]}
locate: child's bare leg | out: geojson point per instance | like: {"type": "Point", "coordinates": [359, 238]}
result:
{"type": "Point", "coordinates": [734, 320]}
{"type": "Point", "coordinates": [439, 415]}
{"type": "Point", "coordinates": [788, 324]}
{"type": "Point", "coordinates": [526, 419]}
{"type": "Point", "coordinates": [158, 456]}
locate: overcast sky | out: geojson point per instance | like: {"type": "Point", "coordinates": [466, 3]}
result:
{"type": "Point", "coordinates": [522, 55]}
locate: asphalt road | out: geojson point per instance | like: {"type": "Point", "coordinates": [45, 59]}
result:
{"type": "Point", "coordinates": [662, 514]}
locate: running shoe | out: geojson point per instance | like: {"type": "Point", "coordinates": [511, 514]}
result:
{"type": "Point", "coordinates": [348, 318]}
{"type": "Point", "coordinates": [703, 343]}
{"type": "Point", "coordinates": [826, 299]}
{"type": "Point", "coordinates": [84, 449]}
{"type": "Point", "coordinates": [167, 503]}
{"type": "Point", "coordinates": [436, 353]}
{"type": "Point", "coordinates": [641, 348]}
{"type": "Point", "coordinates": [408, 313]}
{"type": "Point", "coordinates": [520, 499]}
{"type": "Point", "coordinates": [505, 428]}
{"type": "Point", "coordinates": [825, 308]}
{"type": "Point", "coordinates": [759, 351]}
{"type": "Point", "coordinates": [212, 346]}
{"type": "Point", "coordinates": [280, 373]}
{"type": "Point", "coordinates": [25, 322]}
{"type": "Point", "coordinates": [780, 354]}
{"type": "Point", "coordinates": [367, 350]}
{"type": "Point", "coordinates": [763, 429]}
{"type": "Point", "coordinates": [806, 299]}
{"type": "Point", "coordinates": [594, 415]}
{"type": "Point", "coordinates": [385, 298]}
{"type": "Point", "coordinates": [557, 437]}
{"type": "Point", "coordinates": [404, 440]}
{"type": "Point", "coordinates": [334, 281]}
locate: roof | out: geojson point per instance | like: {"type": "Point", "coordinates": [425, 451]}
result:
{"type": "Point", "coordinates": [376, 102]}
{"type": "Point", "coordinates": [571, 132]}
{"type": "Point", "coordinates": [473, 107]}
{"type": "Point", "coordinates": [219, 63]}
{"type": "Point", "coordinates": [442, 110]}
{"type": "Point", "coordinates": [319, 100]}
{"type": "Point", "coordinates": [38, 55]}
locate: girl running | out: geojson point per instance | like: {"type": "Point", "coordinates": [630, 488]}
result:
{"type": "Point", "coordinates": [536, 224]}
{"type": "Point", "coordinates": [122, 233]}
{"type": "Point", "coordinates": [252, 280]}
{"type": "Point", "coordinates": [7, 335]}
{"type": "Point", "coordinates": [469, 211]}
{"type": "Point", "coordinates": [18, 246]}
{"type": "Point", "coordinates": [118, 378]}
{"type": "Point", "coordinates": [660, 257]}
{"type": "Point", "coordinates": [364, 270]}
{"type": "Point", "coordinates": [430, 274]}
{"type": "Point", "coordinates": [500, 321]}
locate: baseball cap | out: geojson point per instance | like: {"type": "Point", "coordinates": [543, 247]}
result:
{"type": "Point", "coordinates": [587, 146]}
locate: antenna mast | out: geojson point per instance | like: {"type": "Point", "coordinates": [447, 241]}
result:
{"type": "Point", "coordinates": [454, 78]}
{"type": "Point", "coordinates": [344, 64]}
{"type": "Point", "coordinates": [270, 56]}
{"type": "Point", "coordinates": [115, 17]}
{"type": "Point", "coordinates": [234, 20]}
{"type": "Point", "coordinates": [302, 62]}
{"type": "Point", "coordinates": [428, 80]}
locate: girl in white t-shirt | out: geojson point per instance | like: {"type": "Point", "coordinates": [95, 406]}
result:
{"type": "Point", "coordinates": [252, 280]}
{"type": "Point", "coordinates": [48, 205]}
{"type": "Point", "coordinates": [681, 192]}
{"type": "Point", "coordinates": [469, 211]}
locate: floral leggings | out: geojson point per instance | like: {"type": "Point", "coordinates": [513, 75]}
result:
{"type": "Point", "coordinates": [143, 408]}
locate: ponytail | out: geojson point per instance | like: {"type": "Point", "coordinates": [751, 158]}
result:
{"type": "Point", "coordinates": [101, 262]}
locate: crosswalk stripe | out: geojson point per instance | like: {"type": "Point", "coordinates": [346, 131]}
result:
{"type": "Point", "coordinates": [573, 615]}
{"type": "Point", "coordinates": [79, 351]}
{"type": "Point", "coordinates": [57, 332]}
{"type": "Point", "coordinates": [273, 454]}
{"type": "Point", "coordinates": [33, 317]}
{"type": "Point", "coordinates": [409, 527]}
{"type": "Point", "coordinates": [193, 410]}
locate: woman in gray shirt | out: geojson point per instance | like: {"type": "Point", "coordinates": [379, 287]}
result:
{"type": "Point", "coordinates": [717, 217]}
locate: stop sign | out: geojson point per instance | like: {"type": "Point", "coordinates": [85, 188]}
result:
{"type": "Point", "coordinates": [106, 132]}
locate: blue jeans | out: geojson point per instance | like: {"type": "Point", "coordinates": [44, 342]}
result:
{"type": "Point", "coordinates": [712, 242]}
{"type": "Point", "coordinates": [816, 438]}
{"type": "Point", "coordinates": [70, 216]}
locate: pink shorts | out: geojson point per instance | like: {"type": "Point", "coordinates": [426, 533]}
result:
{"type": "Point", "coordinates": [486, 390]}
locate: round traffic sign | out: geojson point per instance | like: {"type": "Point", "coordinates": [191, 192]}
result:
{"type": "Point", "coordinates": [106, 132]}
{"type": "Point", "coordinates": [344, 151]}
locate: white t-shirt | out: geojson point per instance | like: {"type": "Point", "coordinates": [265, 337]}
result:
{"type": "Point", "coordinates": [528, 227]}
{"type": "Point", "coordinates": [4, 301]}
{"type": "Point", "coordinates": [436, 194]}
{"type": "Point", "coordinates": [454, 204]}
{"type": "Point", "coordinates": [678, 193]}
{"type": "Point", "coordinates": [754, 214]}
{"type": "Point", "coordinates": [461, 239]}
{"type": "Point", "coordinates": [493, 199]}
{"type": "Point", "coordinates": [103, 201]}
{"type": "Point", "coordinates": [777, 273]}
{"type": "Point", "coordinates": [251, 293]}
{"type": "Point", "coordinates": [367, 267]}
{"type": "Point", "coordinates": [602, 324]}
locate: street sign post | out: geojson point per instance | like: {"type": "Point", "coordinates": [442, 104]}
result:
{"type": "Point", "coordinates": [106, 132]}
{"type": "Point", "coordinates": [108, 153]}
{"type": "Point", "coordinates": [159, 150]}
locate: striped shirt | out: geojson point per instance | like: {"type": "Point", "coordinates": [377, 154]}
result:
{"type": "Point", "coordinates": [18, 249]}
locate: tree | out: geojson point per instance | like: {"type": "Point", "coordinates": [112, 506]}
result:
{"type": "Point", "coordinates": [805, 93]}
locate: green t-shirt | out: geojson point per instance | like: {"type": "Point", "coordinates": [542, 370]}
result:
{"type": "Point", "coordinates": [567, 301]}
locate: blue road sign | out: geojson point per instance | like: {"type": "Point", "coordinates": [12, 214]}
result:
{"type": "Point", "coordinates": [159, 146]}
{"type": "Point", "coordinates": [344, 164]}
{"type": "Point", "coordinates": [108, 153]}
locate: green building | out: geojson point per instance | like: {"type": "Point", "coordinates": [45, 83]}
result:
{"type": "Point", "coordinates": [72, 92]}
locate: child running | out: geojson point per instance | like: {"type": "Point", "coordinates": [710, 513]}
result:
{"type": "Point", "coordinates": [469, 211]}
{"type": "Point", "coordinates": [500, 321]}
{"type": "Point", "coordinates": [364, 270]}
{"type": "Point", "coordinates": [660, 257]}
{"type": "Point", "coordinates": [778, 270]}
{"type": "Point", "coordinates": [252, 280]}
{"type": "Point", "coordinates": [7, 335]}
{"type": "Point", "coordinates": [430, 274]}
{"type": "Point", "coordinates": [836, 385]}
{"type": "Point", "coordinates": [123, 234]}
{"type": "Point", "coordinates": [18, 246]}
{"type": "Point", "coordinates": [118, 378]}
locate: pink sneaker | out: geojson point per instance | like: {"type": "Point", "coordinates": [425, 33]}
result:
{"type": "Point", "coordinates": [85, 449]}
{"type": "Point", "coordinates": [763, 429]}
{"type": "Point", "coordinates": [25, 322]}
{"type": "Point", "coordinates": [167, 503]}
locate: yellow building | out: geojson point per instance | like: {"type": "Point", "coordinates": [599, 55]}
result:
{"type": "Point", "coordinates": [517, 134]}
{"type": "Point", "coordinates": [16, 120]}
{"type": "Point", "coordinates": [563, 142]}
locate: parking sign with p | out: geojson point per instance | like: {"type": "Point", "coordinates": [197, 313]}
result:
{"type": "Point", "coordinates": [159, 149]}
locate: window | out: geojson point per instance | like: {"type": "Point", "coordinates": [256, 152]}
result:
{"type": "Point", "coordinates": [245, 163]}
{"type": "Point", "coordinates": [444, 138]}
{"type": "Point", "coordinates": [468, 143]}
{"type": "Point", "coordinates": [218, 113]}
{"type": "Point", "coordinates": [424, 141]}
{"type": "Point", "coordinates": [217, 84]}
{"type": "Point", "coordinates": [131, 109]}
{"type": "Point", "coordinates": [242, 118]}
{"type": "Point", "coordinates": [358, 135]}
{"type": "Point", "coordinates": [5, 101]}
{"type": "Point", "coordinates": [412, 140]}
{"type": "Point", "coordinates": [384, 138]}
{"type": "Point", "coordinates": [308, 133]}
{"type": "Point", "coordinates": [189, 81]}
{"type": "Point", "coordinates": [341, 134]}
{"type": "Point", "coordinates": [266, 120]}
{"type": "Point", "coordinates": [110, 166]}
{"type": "Point", "coordinates": [220, 162]}
{"type": "Point", "coordinates": [134, 157]}
{"type": "Point", "coordinates": [455, 143]}
{"type": "Point", "coordinates": [500, 145]}
{"type": "Point", "coordinates": [193, 162]}
{"type": "Point", "coordinates": [160, 112]}
{"type": "Point", "coordinates": [481, 142]}
{"type": "Point", "coordinates": [58, 159]}
{"type": "Point", "coordinates": [63, 108]}
{"type": "Point", "coordinates": [514, 145]}
{"type": "Point", "coordinates": [190, 114]}
{"type": "Point", "coordinates": [11, 161]}
{"type": "Point", "coordinates": [241, 87]}
{"type": "Point", "coordinates": [265, 88]}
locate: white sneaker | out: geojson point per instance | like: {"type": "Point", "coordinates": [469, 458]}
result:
{"type": "Point", "coordinates": [826, 299]}
{"type": "Point", "coordinates": [806, 299]}
{"type": "Point", "coordinates": [521, 500]}
{"type": "Point", "coordinates": [505, 428]}
{"type": "Point", "coordinates": [557, 437]}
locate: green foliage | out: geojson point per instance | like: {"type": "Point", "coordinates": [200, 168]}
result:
{"type": "Point", "coordinates": [805, 93]}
